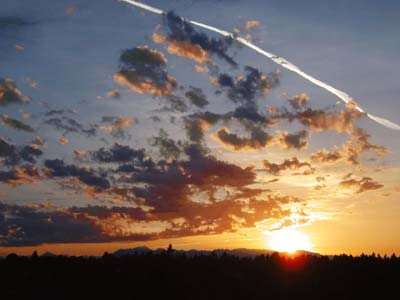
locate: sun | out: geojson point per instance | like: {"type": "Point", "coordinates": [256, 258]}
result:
{"type": "Point", "coordinates": [288, 240]}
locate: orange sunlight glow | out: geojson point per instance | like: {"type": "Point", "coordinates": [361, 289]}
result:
{"type": "Point", "coordinates": [288, 240]}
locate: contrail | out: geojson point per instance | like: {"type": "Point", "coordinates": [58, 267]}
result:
{"type": "Point", "coordinates": [278, 60]}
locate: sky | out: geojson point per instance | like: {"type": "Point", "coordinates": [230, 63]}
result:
{"type": "Point", "coordinates": [122, 128]}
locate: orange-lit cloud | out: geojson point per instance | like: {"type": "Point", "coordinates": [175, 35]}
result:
{"type": "Point", "coordinates": [251, 24]}
{"type": "Point", "coordinates": [142, 85]}
{"type": "Point", "coordinates": [19, 48]}
{"type": "Point", "coordinates": [201, 69]}
{"type": "Point", "coordinates": [362, 185]}
{"type": "Point", "coordinates": [299, 101]}
{"type": "Point", "coordinates": [113, 94]}
{"type": "Point", "coordinates": [256, 141]}
{"type": "Point", "coordinates": [19, 175]}
{"type": "Point", "coordinates": [63, 141]}
{"type": "Point", "coordinates": [70, 10]}
{"type": "Point", "coordinates": [292, 140]}
{"type": "Point", "coordinates": [182, 48]}
{"type": "Point", "coordinates": [288, 164]}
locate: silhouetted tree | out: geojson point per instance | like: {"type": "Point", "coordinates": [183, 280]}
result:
{"type": "Point", "coordinates": [217, 276]}
{"type": "Point", "coordinates": [170, 250]}
{"type": "Point", "coordinates": [35, 255]}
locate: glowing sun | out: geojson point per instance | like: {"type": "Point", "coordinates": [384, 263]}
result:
{"type": "Point", "coordinates": [288, 240]}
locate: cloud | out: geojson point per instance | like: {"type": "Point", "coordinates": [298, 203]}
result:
{"type": "Point", "coordinates": [9, 93]}
{"type": "Point", "coordinates": [118, 154]}
{"type": "Point", "coordinates": [19, 175]}
{"type": "Point", "coordinates": [80, 154]}
{"type": "Point", "coordinates": [63, 141]}
{"type": "Point", "coordinates": [58, 168]}
{"type": "Point", "coordinates": [113, 94]}
{"type": "Point", "coordinates": [14, 22]}
{"type": "Point", "coordinates": [341, 122]}
{"type": "Point", "coordinates": [196, 97]}
{"type": "Point", "coordinates": [322, 120]}
{"type": "Point", "coordinates": [144, 71]}
{"type": "Point", "coordinates": [175, 104]}
{"type": "Point", "coordinates": [245, 89]}
{"type": "Point", "coordinates": [182, 33]}
{"type": "Point", "coordinates": [196, 195]}
{"type": "Point", "coordinates": [299, 101]}
{"type": "Point", "coordinates": [201, 69]}
{"type": "Point", "coordinates": [168, 148]}
{"type": "Point", "coordinates": [25, 153]}
{"type": "Point", "coordinates": [288, 164]}
{"type": "Point", "coordinates": [16, 124]}
{"type": "Point", "coordinates": [362, 185]}
{"type": "Point", "coordinates": [349, 151]}
{"type": "Point", "coordinates": [25, 226]}
{"type": "Point", "coordinates": [197, 124]}
{"type": "Point", "coordinates": [182, 48]}
{"type": "Point", "coordinates": [68, 124]}
{"type": "Point", "coordinates": [293, 140]}
{"type": "Point", "coordinates": [38, 141]}
{"type": "Point", "coordinates": [70, 10]}
{"type": "Point", "coordinates": [54, 112]}
{"type": "Point", "coordinates": [326, 156]}
{"type": "Point", "coordinates": [251, 24]}
{"type": "Point", "coordinates": [116, 125]}
{"type": "Point", "coordinates": [141, 85]}
{"type": "Point", "coordinates": [258, 139]}
{"type": "Point", "coordinates": [6, 149]}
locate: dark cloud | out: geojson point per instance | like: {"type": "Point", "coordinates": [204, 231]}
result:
{"type": "Point", "coordinates": [6, 148]}
{"type": "Point", "coordinates": [14, 22]}
{"type": "Point", "coordinates": [322, 120]}
{"type": "Point", "coordinates": [288, 164]}
{"type": "Point", "coordinates": [13, 155]}
{"type": "Point", "coordinates": [118, 154]}
{"type": "Point", "coordinates": [182, 34]}
{"type": "Point", "coordinates": [325, 156]}
{"type": "Point", "coordinates": [58, 168]}
{"type": "Point", "coordinates": [16, 124]}
{"type": "Point", "coordinates": [24, 226]}
{"type": "Point", "coordinates": [293, 140]}
{"type": "Point", "coordinates": [249, 113]}
{"type": "Point", "coordinates": [141, 58]}
{"type": "Point", "coordinates": [54, 112]}
{"type": "Point", "coordinates": [196, 195]}
{"type": "Point", "coordinates": [175, 104]}
{"type": "Point", "coordinates": [68, 124]}
{"type": "Point", "coordinates": [168, 148]}
{"type": "Point", "coordinates": [197, 124]}
{"type": "Point", "coordinates": [258, 139]}
{"type": "Point", "coordinates": [362, 185]}
{"type": "Point", "coordinates": [244, 90]}
{"type": "Point", "coordinates": [9, 93]}
{"type": "Point", "coordinates": [115, 125]}
{"type": "Point", "coordinates": [196, 97]}
{"type": "Point", "coordinates": [144, 70]}
{"type": "Point", "coordinates": [19, 175]}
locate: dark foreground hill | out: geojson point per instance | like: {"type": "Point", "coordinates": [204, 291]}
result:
{"type": "Point", "coordinates": [171, 275]}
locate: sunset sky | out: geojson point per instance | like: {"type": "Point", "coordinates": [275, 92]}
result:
{"type": "Point", "coordinates": [121, 128]}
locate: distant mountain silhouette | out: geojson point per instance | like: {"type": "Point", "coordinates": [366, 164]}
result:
{"type": "Point", "coordinates": [239, 252]}
{"type": "Point", "coordinates": [48, 254]}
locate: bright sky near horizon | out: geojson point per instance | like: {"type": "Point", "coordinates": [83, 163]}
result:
{"type": "Point", "coordinates": [121, 128]}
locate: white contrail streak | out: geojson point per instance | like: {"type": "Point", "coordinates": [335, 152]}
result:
{"type": "Point", "coordinates": [279, 60]}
